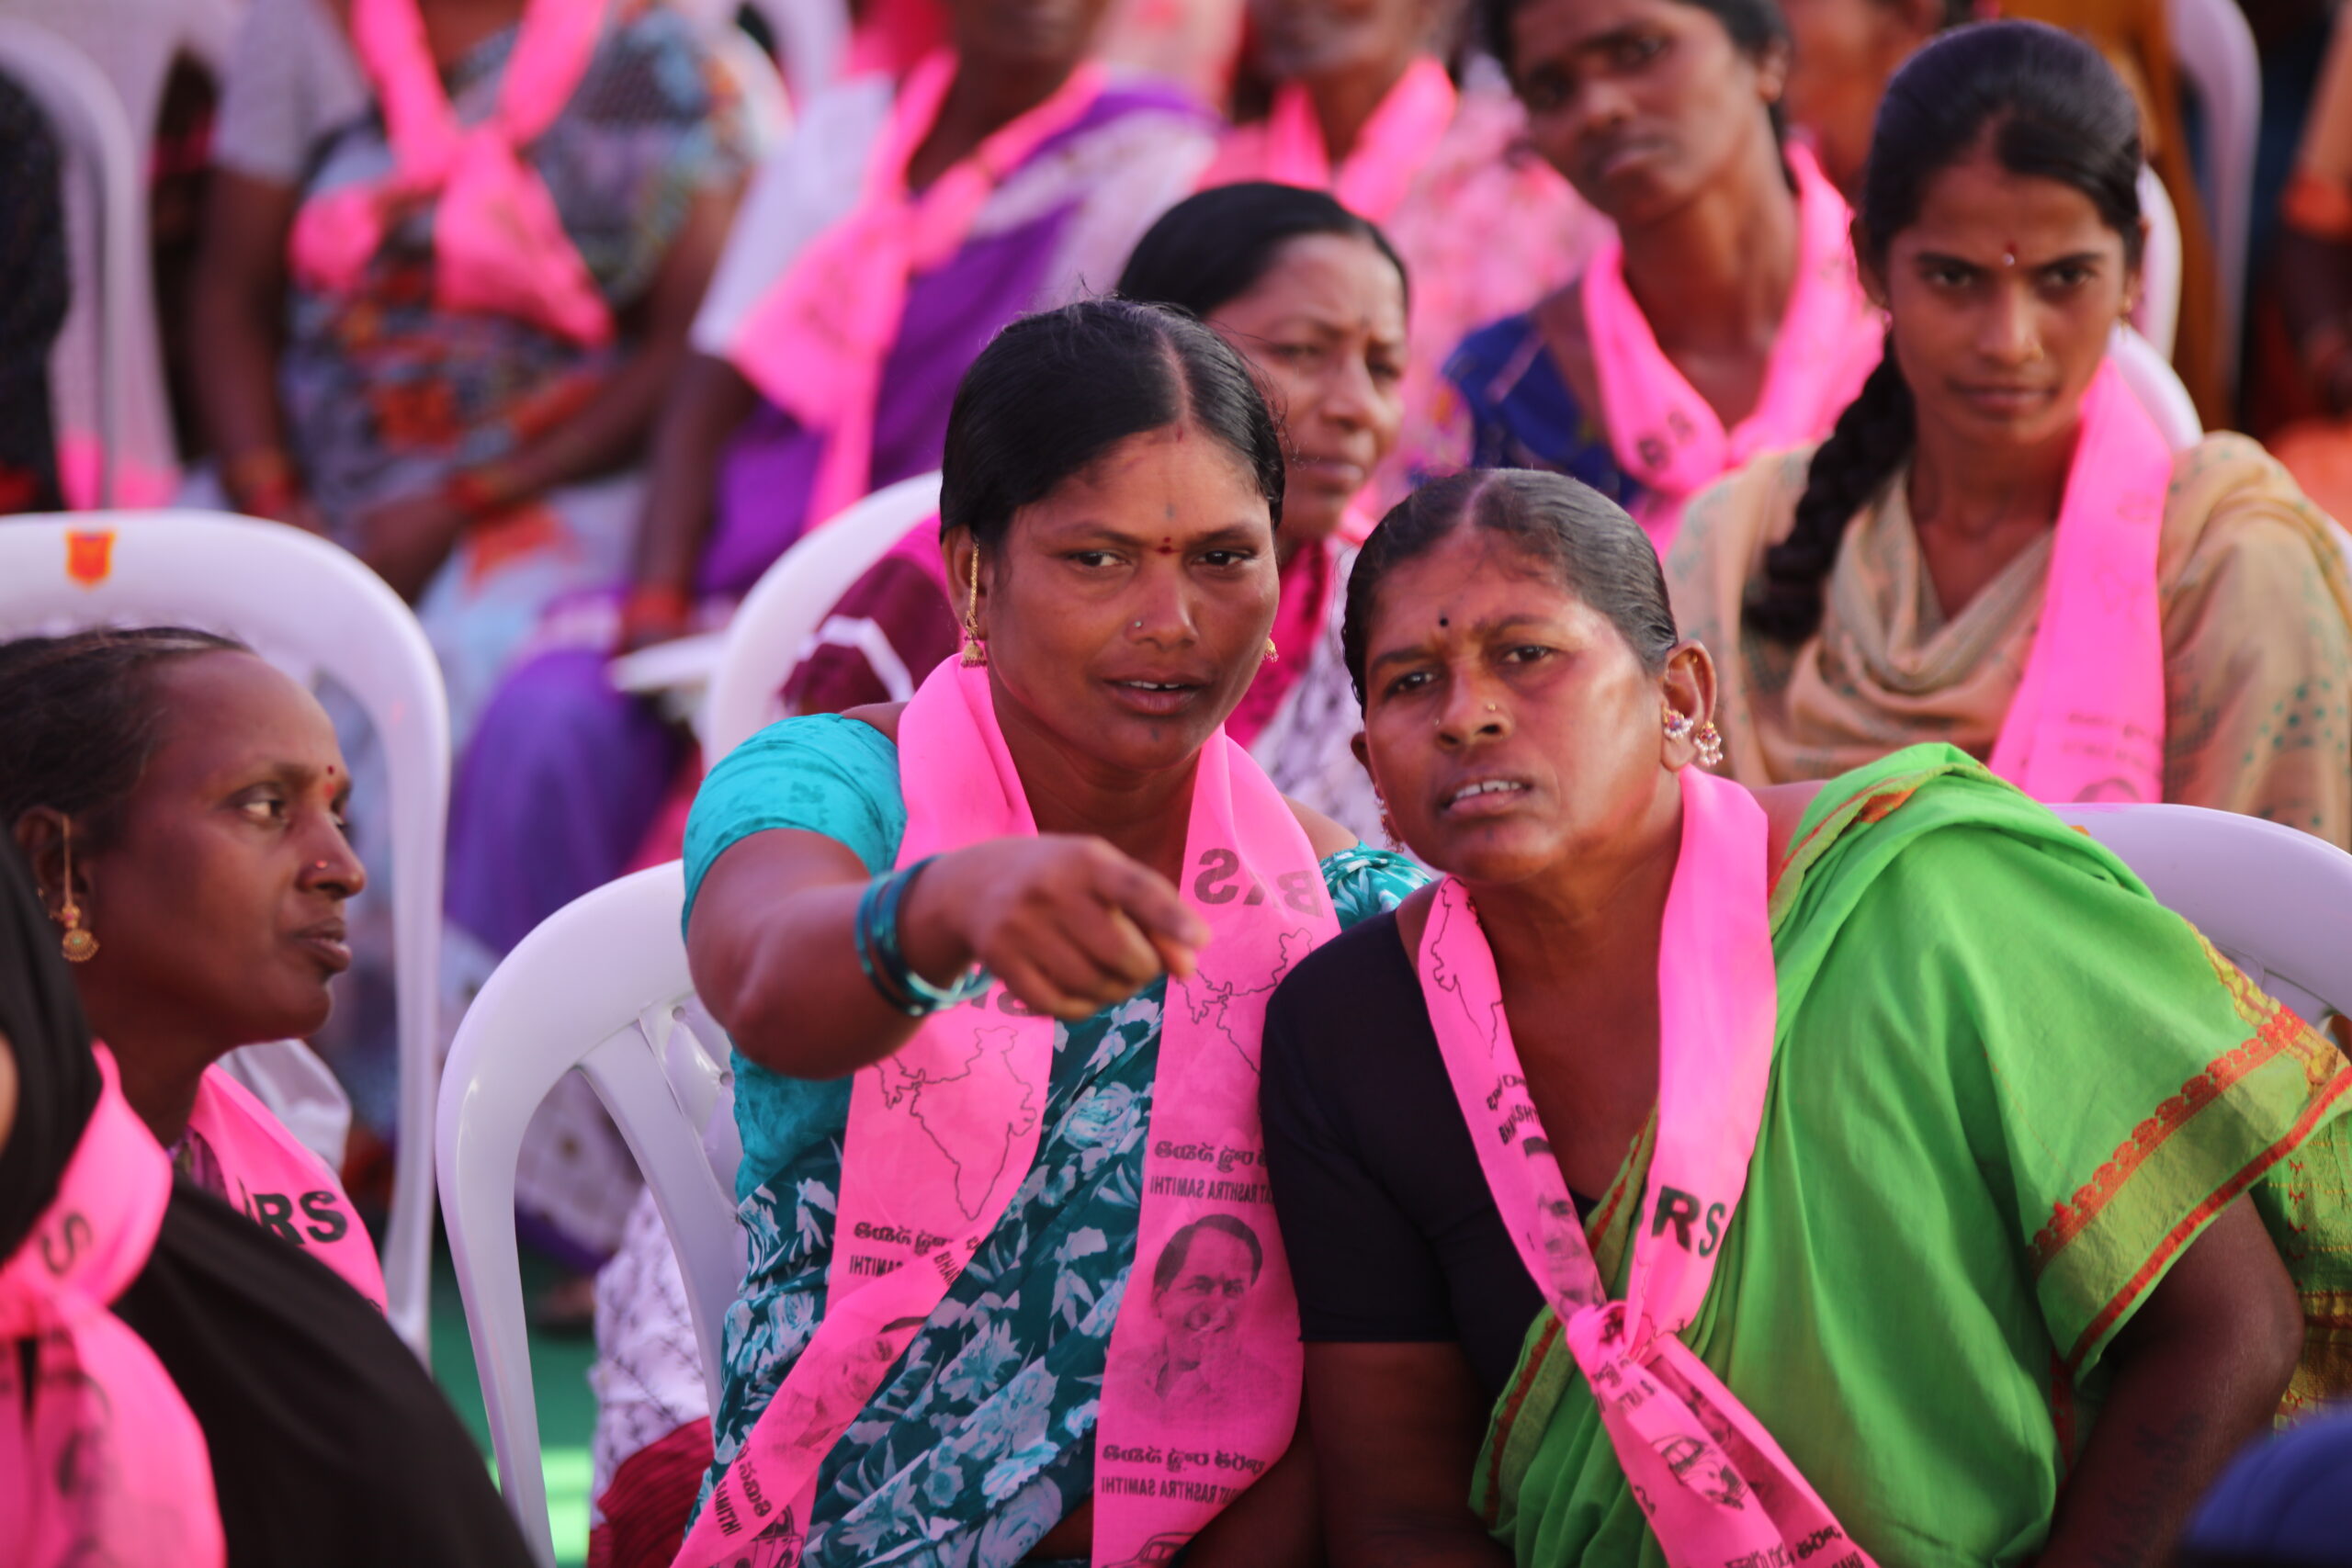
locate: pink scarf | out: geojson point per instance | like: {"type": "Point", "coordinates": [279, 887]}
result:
{"type": "Point", "coordinates": [109, 1466]}
{"type": "Point", "coordinates": [1665, 436]}
{"type": "Point", "coordinates": [973, 1081]}
{"type": "Point", "coordinates": [2088, 722]}
{"type": "Point", "coordinates": [1390, 152]}
{"type": "Point", "coordinates": [500, 244]}
{"type": "Point", "coordinates": [815, 343]}
{"type": "Point", "coordinates": [1692, 1451]}
{"type": "Point", "coordinates": [1307, 584]}
{"type": "Point", "coordinates": [281, 1185]}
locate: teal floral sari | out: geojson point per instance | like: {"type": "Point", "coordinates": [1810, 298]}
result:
{"type": "Point", "coordinates": [982, 1438]}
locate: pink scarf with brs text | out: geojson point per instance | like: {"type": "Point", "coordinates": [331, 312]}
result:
{"type": "Point", "coordinates": [942, 1133]}
{"type": "Point", "coordinates": [1665, 436]}
{"type": "Point", "coordinates": [815, 343]}
{"type": "Point", "coordinates": [499, 245]}
{"type": "Point", "coordinates": [1716, 1488]}
{"type": "Point", "coordinates": [2088, 722]}
{"type": "Point", "coordinates": [101, 1459]}
{"type": "Point", "coordinates": [1390, 151]}
{"type": "Point", "coordinates": [281, 1185]}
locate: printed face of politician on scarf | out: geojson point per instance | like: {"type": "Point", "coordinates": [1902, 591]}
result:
{"type": "Point", "coordinates": [1200, 1290]}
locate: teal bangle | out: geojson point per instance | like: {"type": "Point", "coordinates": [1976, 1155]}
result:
{"type": "Point", "coordinates": [885, 962]}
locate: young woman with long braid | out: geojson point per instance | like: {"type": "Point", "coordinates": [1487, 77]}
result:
{"type": "Point", "coordinates": [1995, 547]}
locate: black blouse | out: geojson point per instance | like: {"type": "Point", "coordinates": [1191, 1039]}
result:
{"type": "Point", "coordinates": [1392, 1234]}
{"type": "Point", "coordinates": [329, 1442]}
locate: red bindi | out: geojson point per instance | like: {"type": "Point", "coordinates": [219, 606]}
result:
{"type": "Point", "coordinates": [1167, 548]}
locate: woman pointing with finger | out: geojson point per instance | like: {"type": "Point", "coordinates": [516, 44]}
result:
{"type": "Point", "coordinates": [1044, 902]}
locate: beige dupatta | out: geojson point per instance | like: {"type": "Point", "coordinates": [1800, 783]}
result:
{"type": "Point", "coordinates": [2258, 638]}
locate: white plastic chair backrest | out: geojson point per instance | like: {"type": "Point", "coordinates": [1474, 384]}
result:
{"type": "Point", "coordinates": [599, 986]}
{"type": "Point", "coordinates": [813, 36]}
{"type": "Point", "coordinates": [2277, 901]}
{"type": "Point", "coordinates": [2156, 316]}
{"type": "Point", "coordinates": [2214, 46]}
{"type": "Point", "coordinates": [107, 371]}
{"type": "Point", "coordinates": [311, 607]}
{"type": "Point", "coordinates": [792, 599]}
{"type": "Point", "coordinates": [767, 109]}
{"type": "Point", "coordinates": [2152, 380]}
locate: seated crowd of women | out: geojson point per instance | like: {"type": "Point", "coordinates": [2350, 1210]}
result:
{"type": "Point", "coordinates": [1729, 1122]}
{"type": "Point", "coordinates": [519, 303]}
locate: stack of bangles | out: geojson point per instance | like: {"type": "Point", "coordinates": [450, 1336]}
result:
{"type": "Point", "coordinates": [885, 962]}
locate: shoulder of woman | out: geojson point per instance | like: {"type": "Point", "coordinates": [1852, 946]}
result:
{"type": "Point", "coordinates": [855, 745]}
{"type": "Point", "coordinates": [1325, 837]}
{"type": "Point", "coordinates": [1486, 349]}
{"type": "Point", "coordinates": [1731, 522]}
{"type": "Point", "coordinates": [881, 718]}
{"type": "Point", "coordinates": [2230, 500]}
{"type": "Point", "coordinates": [1785, 806]}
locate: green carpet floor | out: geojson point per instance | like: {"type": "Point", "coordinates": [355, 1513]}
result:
{"type": "Point", "coordinates": [559, 1380]}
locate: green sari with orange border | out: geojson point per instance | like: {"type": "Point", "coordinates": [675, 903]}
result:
{"type": "Point", "coordinates": [2008, 1088]}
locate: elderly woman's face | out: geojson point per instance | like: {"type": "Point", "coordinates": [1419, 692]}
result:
{"type": "Point", "coordinates": [1127, 613]}
{"type": "Point", "coordinates": [218, 906]}
{"type": "Point", "coordinates": [1507, 724]}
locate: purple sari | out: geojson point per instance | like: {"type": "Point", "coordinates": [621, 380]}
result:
{"type": "Point", "coordinates": [565, 774]}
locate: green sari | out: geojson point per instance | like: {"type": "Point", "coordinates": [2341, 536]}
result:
{"type": "Point", "coordinates": [1996, 1116]}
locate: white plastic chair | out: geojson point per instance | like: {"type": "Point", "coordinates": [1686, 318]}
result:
{"type": "Point", "coordinates": [784, 609]}
{"type": "Point", "coordinates": [2215, 48]}
{"type": "Point", "coordinates": [300, 601]}
{"type": "Point", "coordinates": [600, 986]}
{"type": "Point", "coordinates": [107, 370]}
{"type": "Point", "coordinates": [2277, 901]}
{"type": "Point", "coordinates": [768, 108]}
{"type": "Point", "coordinates": [2156, 316]}
{"type": "Point", "coordinates": [2152, 380]}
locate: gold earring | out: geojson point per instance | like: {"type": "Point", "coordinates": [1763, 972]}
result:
{"type": "Point", "coordinates": [1710, 745]}
{"type": "Point", "coordinates": [78, 945]}
{"type": "Point", "coordinates": [1677, 724]}
{"type": "Point", "coordinates": [975, 651]}
{"type": "Point", "coordinates": [1272, 653]}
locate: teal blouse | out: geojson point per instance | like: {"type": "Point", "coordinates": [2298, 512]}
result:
{"type": "Point", "coordinates": [982, 1438]}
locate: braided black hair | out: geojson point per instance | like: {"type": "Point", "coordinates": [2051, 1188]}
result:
{"type": "Point", "coordinates": [2051, 109]}
{"type": "Point", "coordinates": [81, 715]}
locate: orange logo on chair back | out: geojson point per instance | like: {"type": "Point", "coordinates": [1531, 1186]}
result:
{"type": "Point", "coordinates": [89, 556]}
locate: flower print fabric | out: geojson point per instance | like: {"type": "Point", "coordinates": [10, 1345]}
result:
{"type": "Point", "coordinates": [982, 1438]}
